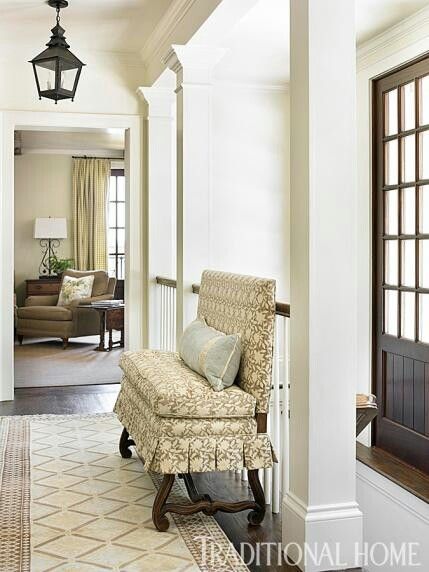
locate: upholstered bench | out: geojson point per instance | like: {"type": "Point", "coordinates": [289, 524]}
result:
{"type": "Point", "coordinates": [180, 425]}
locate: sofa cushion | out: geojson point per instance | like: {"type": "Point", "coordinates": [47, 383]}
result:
{"type": "Point", "coordinates": [101, 279]}
{"type": "Point", "coordinates": [52, 313]}
{"type": "Point", "coordinates": [172, 389]}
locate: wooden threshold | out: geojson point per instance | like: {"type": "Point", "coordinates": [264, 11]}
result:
{"type": "Point", "coordinates": [406, 476]}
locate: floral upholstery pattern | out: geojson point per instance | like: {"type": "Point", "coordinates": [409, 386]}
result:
{"type": "Point", "coordinates": [233, 303]}
{"type": "Point", "coordinates": [174, 390]}
{"type": "Point", "coordinates": [177, 421]}
{"type": "Point", "coordinates": [170, 445]}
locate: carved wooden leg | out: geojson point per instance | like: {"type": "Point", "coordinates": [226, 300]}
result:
{"type": "Point", "coordinates": [20, 339]}
{"type": "Point", "coordinates": [256, 516]}
{"type": "Point", "coordinates": [65, 343]}
{"type": "Point", "coordinates": [158, 511]}
{"type": "Point", "coordinates": [124, 444]}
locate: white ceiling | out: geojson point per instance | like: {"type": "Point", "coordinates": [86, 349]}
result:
{"type": "Point", "coordinates": [100, 142]}
{"type": "Point", "coordinates": [106, 25]}
{"type": "Point", "coordinates": [259, 44]}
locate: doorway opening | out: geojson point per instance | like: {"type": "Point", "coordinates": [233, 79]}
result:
{"type": "Point", "coordinates": [69, 257]}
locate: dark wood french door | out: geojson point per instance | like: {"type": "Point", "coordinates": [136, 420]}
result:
{"type": "Point", "coordinates": [401, 262]}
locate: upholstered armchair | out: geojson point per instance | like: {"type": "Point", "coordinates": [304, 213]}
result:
{"type": "Point", "coordinates": [180, 425]}
{"type": "Point", "coordinates": [41, 317]}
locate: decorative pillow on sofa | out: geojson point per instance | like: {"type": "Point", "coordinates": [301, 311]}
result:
{"type": "Point", "coordinates": [75, 289]}
{"type": "Point", "coordinates": [211, 353]}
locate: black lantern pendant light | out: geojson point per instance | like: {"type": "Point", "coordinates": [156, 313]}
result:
{"type": "Point", "coordinates": [56, 69]}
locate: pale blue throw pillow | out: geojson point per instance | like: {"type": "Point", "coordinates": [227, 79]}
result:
{"type": "Point", "coordinates": [211, 353]}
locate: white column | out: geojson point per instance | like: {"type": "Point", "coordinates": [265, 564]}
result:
{"type": "Point", "coordinates": [320, 506]}
{"type": "Point", "coordinates": [193, 66]}
{"type": "Point", "coordinates": [161, 181]}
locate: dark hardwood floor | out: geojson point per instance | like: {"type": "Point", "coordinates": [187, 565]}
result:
{"type": "Point", "coordinates": [100, 399]}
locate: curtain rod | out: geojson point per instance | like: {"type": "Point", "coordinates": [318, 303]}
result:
{"type": "Point", "coordinates": [87, 157]}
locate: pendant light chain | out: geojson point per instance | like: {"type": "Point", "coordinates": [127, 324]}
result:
{"type": "Point", "coordinates": [58, 15]}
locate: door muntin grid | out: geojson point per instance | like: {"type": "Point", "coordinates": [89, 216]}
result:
{"type": "Point", "coordinates": [405, 204]}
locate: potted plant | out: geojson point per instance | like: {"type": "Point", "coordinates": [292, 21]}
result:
{"type": "Point", "coordinates": [59, 265]}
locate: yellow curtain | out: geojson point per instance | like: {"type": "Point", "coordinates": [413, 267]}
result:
{"type": "Point", "coordinates": [91, 179]}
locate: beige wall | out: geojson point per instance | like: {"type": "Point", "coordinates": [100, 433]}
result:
{"type": "Point", "coordinates": [43, 188]}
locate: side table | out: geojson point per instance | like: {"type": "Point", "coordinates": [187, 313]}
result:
{"type": "Point", "coordinates": [111, 318]}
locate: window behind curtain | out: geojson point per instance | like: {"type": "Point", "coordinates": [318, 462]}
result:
{"type": "Point", "coordinates": [116, 232]}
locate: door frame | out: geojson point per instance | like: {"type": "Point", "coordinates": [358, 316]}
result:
{"type": "Point", "coordinates": [136, 326]}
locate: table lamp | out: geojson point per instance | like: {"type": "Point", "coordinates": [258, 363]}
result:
{"type": "Point", "coordinates": [49, 231]}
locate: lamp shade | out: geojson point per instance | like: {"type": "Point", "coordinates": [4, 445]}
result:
{"type": "Point", "coordinates": [50, 228]}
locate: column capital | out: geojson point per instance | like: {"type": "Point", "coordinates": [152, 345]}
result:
{"type": "Point", "coordinates": [193, 64]}
{"type": "Point", "coordinates": [161, 101]}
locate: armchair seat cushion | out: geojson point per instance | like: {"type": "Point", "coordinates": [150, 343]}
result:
{"type": "Point", "coordinates": [172, 389]}
{"type": "Point", "coordinates": [51, 313]}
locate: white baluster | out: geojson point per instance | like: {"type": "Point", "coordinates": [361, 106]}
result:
{"type": "Point", "coordinates": [268, 477]}
{"type": "Point", "coordinates": [285, 416]}
{"type": "Point", "coordinates": [275, 422]}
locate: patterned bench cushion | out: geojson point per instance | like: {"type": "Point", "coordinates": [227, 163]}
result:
{"type": "Point", "coordinates": [171, 389]}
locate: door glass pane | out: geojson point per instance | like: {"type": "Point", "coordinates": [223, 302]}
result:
{"type": "Point", "coordinates": [424, 318]}
{"type": "Point", "coordinates": [424, 155]}
{"type": "Point", "coordinates": [408, 159]}
{"type": "Point", "coordinates": [121, 214]}
{"type": "Point", "coordinates": [391, 212]}
{"type": "Point", "coordinates": [391, 262]}
{"type": "Point", "coordinates": [121, 241]}
{"type": "Point", "coordinates": [408, 211]}
{"type": "Point", "coordinates": [391, 162]}
{"type": "Point", "coordinates": [408, 117]}
{"type": "Point", "coordinates": [391, 312]}
{"type": "Point", "coordinates": [424, 100]}
{"type": "Point", "coordinates": [112, 240]}
{"type": "Point", "coordinates": [408, 268]}
{"type": "Point", "coordinates": [112, 266]}
{"type": "Point", "coordinates": [408, 300]}
{"type": "Point", "coordinates": [121, 188]}
{"type": "Point", "coordinates": [424, 209]}
{"type": "Point", "coordinates": [112, 214]}
{"type": "Point", "coordinates": [424, 264]}
{"type": "Point", "coordinates": [112, 189]}
{"type": "Point", "coordinates": [391, 112]}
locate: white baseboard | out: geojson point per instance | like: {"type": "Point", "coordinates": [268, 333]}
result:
{"type": "Point", "coordinates": [329, 532]}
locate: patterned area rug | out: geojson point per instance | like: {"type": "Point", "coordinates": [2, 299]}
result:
{"type": "Point", "coordinates": [68, 502]}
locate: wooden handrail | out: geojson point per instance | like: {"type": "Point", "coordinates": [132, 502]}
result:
{"type": "Point", "coordinates": [170, 282]}
{"type": "Point", "coordinates": [282, 309]}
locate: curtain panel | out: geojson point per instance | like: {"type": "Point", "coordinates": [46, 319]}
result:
{"type": "Point", "coordinates": [91, 179]}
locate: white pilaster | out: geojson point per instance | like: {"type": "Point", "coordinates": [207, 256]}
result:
{"type": "Point", "coordinates": [320, 506]}
{"type": "Point", "coordinates": [193, 66]}
{"type": "Point", "coordinates": [161, 181]}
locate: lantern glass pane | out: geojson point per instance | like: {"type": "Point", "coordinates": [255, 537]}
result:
{"type": "Point", "coordinates": [68, 76]}
{"type": "Point", "coordinates": [46, 74]}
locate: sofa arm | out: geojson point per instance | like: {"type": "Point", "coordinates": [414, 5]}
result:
{"type": "Point", "coordinates": [76, 303]}
{"type": "Point", "coordinates": [50, 300]}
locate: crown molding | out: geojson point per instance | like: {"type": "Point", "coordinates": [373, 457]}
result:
{"type": "Point", "coordinates": [162, 32]}
{"type": "Point", "coordinates": [415, 26]}
{"type": "Point", "coordinates": [280, 87]}
{"type": "Point", "coordinates": [193, 63]}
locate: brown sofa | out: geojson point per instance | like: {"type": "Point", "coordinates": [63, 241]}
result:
{"type": "Point", "coordinates": [41, 317]}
